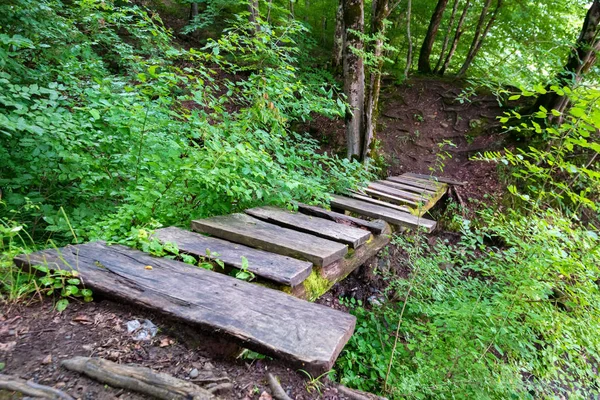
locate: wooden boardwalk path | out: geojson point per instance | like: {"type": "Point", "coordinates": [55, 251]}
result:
{"type": "Point", "coordinates": [294, 256]}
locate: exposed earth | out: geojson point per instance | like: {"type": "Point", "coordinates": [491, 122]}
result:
{"type": "Point", "coordinates": [416, 118]}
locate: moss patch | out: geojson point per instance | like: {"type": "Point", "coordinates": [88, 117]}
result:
{"type": "Point", "coordinates": [316, 285]}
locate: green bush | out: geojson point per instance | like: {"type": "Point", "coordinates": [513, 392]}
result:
{"type": "Point", "coordinates": [510, 311]}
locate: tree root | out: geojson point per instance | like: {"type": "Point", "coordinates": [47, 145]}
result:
{"type": "Point", "coordinates": [278, 392]}
{"type": "Point", "coordinates": [139, 379]}
{"type": "Point", "coordinates": [29, 388]}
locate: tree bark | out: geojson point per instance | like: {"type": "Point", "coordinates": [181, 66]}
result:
{"type": "Point", "coordinates": [447, 37]}
{"type": "Point", "coordinates": [354, 76]}
{"type": "Point", "coordinates": [193, 11]}
{"type": "Point", "coordinates": [338, 40]}
{"type": "Point", "coordinates": [409, 54]}
{"type": "Point", "coordinates": [254, 11]}
{"type": "Point", "coordinates": [378, 16]}
{"type": "Point", "coordinates": [480, 36]}
{"type": "Point", "coordinates": [456, 38]}
{"type": "Point", "coordinates": [434, 25]}
{"type": "Point", "coordinates": [581, 59]}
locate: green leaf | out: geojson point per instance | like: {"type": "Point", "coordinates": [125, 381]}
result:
{"type": "Point", "coordinates": [61, 305]}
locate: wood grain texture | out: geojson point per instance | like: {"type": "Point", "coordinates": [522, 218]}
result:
{"type": "Point", "coordinates": [136, 378]}
{"type": "Point", "coordinates": [244, 229]}
{"type": "Point", "coordinates": [407, 187]}
{"type": "Point", "coordinates": [435, 178]}
{"type": "Point", "coordinates": [394, 217]}
{"type": "Point", "coordinates": [320, 227]}
{"type": "Point", "coordinates": [420, 183]}
{"type": "Point", "coordinates": [376, 227]}
{"type": "Point", "coordinates": [388, 198]}
{"type": "Point", "coordinates": [399, 193]}
{"type": "Point", "coordinates": [271, 266]}
{"type": "Point", "coordinates": [308, 335]}
{"type": "Point", "coordinates": [363, 197]}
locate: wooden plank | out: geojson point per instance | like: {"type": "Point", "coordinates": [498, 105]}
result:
{"type": "Point", "coordinates": [274, 267]}
{"type": "Point", "coordinates": [368, 199]}
{"type": "Point", "coordinates": [388, 198]}
{"type": "Point", "coordinates": [435, 179]}
{"type": "Point", "coordinates": [376, 227]}
{"type": "Point", "coordinates": [244, 229]}
{"type": "Point", "coordinates": [416, 198]}
{"type": "Point", "coordinates": [271, 322]}
{"type": "Point", "coordinates": [320, 227]}
{"type": "Point", "coordinates": [429, 185]}
{"type": "Point", "coordinates": [392, 216]}
{"type": "Point", "coordinates": [407, 187]}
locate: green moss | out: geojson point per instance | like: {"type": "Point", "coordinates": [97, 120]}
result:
{"type": "Point", "coordinates": [316, 285]}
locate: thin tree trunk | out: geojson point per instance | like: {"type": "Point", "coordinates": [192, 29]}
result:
{"type": "Point", "coordinates": [456, 38]}
{"type": "Point", "coordinates": [434, 25]}
{"type": "Point", "coordinates": [581, 59]}
{"type": "Point", "coordinates": [378, 16]}
{"type": "Point", "coordinates": [446, 37]}
{"type": "Point", "coordinates": [306, 8]}
{"type": "Point", "coordinates": [354, 75]}
{"type": "Point", "coordinates": [409, 54]}
{"type": "Point", "coordinates": [480, 36]}
{"type": "Point", "coordinates": [324, 30]}
{"type": "Point", "coordinates": [193, 11]}
{"type": "Point", "coordinates": [338, 40]}
{"type": "Point", "coordinates": [292, 16]}
{"type": "Point", "coordinates": [253, 9]}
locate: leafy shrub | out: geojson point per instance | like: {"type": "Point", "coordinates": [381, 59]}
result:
{"type": "Point", "coordinates": [510, 311]}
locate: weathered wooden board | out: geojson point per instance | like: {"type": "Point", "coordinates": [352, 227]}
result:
{"type": "Point", "coordinates": [435, 178]}
{"type": "Point", "coordinates": [266, 320]}
{"type": "Point", "coordinates": [392, 216]}
{"type": "Point", "coordinates": [271, 266]}
{"type": "Point", "coordinates": [320, 227]}
{"type": "Point", "coordinates": [368, 199]}
{"type": "Point", "coordinates": [376, 227]}
{"type": "Point", "coordinates": [430, 185]}
{"type": "Point", "coordinates": [244, 229]}
{"type": "Point", "coordinates": [417, 198]}
{"type": "Point", "coordinates": [388, 198]}
{"type": "Point", "coordinates": [407, 187]}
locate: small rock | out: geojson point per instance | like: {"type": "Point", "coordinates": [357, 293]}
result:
{"type": "Point", "coordinates": [444, 125]}
{"type": "Point", "coordinates": [209, 366]}
{"type": "Point", "coordinates": [194, 373]}
{"type": "Point", "coordinates": [87, 347]}
{"type": "Point", "coordinates": [265, 396]}
{"type": "Point", "coordinates": [60, 385]}
{"type": "Point", "coordinates": [47, 360]}
{"type": "Point", "coordinates": [375, 301]}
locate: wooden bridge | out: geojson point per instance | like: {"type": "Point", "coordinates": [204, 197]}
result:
{"type": "Point", "coordinates": [295, 256]}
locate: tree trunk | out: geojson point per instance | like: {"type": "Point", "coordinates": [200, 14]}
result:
{"type": "Point", "coordinates": [354, 75]}
{"type": "Point", "coordinates": [292, 16]}
{"type": "Point", "coordinates": [193, 11]}
{"type": "Point", "coordinates": [434, 25]}
{"type": "Point", "coordinates": [378, 16]}
{"type": "Point", "coordinates": [338, 40]}
{"type": "Point", "coordinates": [409, 54]}
{"type": "Point", "coordinates": [456, 39]}
{"type": "Point", "coordinates": [480, 36]}
{"type": "Point", "coordinates": [581, 59]}
{"type": "Point", "coordinates": [253, 9]}
{"type": "Point", "coordinates": [446, 37]}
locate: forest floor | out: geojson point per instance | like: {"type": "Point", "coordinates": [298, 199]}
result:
{"type": "Point", "coordinates": [416, 118]}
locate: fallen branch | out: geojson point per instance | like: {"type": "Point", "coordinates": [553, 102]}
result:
{"type": "Point", "coordinates": [138, 379]}
{"type": "Point", "coordinates": [29, 388]}
{"type": "Point", "coordinates": [278, 392]}
{"type": "Point", "coordinates": [354, 394]}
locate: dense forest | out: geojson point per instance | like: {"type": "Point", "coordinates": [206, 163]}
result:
{"type": "Point", "coordinates": [118, 117]}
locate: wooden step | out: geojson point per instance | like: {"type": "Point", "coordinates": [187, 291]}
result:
{"type": "Point", "coordinates": [388, 198]}
{"type": "Point", "coordinates": [271, 322]}
{"type": "Point", "coordinates": [417, 198]}
{"type": "Point", "coordinates": [434, 178]}
{"type": "Point", "coordinates": [281, 269]}
{"type": "Point", "coordinates": [420, 183]}
{"type": "Point", "coordinates": [320, 227]}
{"type": "Point", "coordinates": [388, 214]}
{"type": "Point", "coordinates": [244, 229]}
{"type": "Point", "coordinates": [407, 187]}
{"type": "Point", "coordinates": [376, 227]}
{"type": "Point", "coordinates": [364, 197]}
